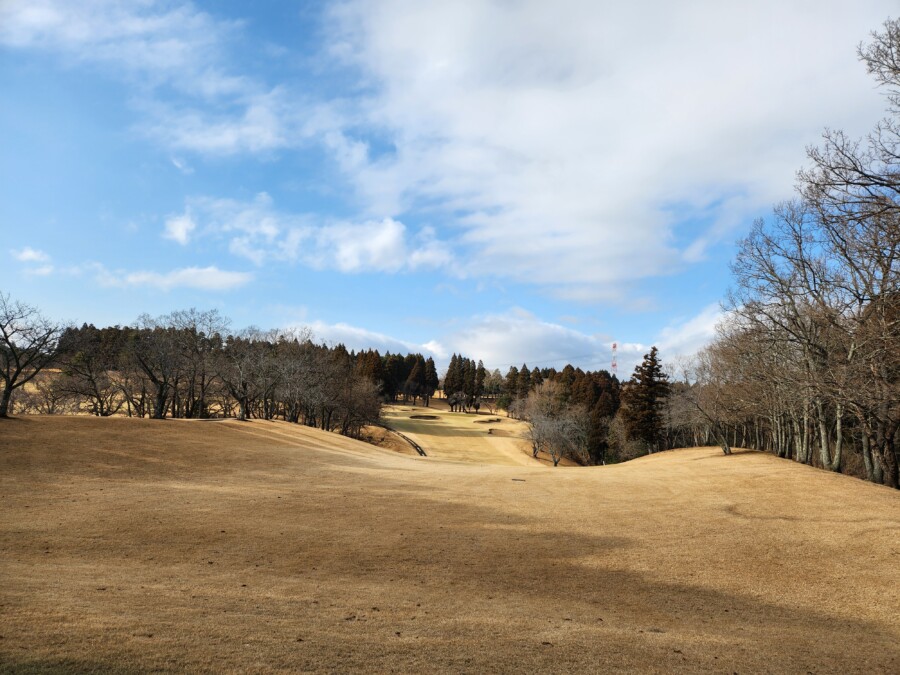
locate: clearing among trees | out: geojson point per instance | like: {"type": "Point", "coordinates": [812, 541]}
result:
{"type": "Point", "coordinates": [191, 545]}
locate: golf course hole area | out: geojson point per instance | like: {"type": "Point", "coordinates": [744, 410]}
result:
{"type": "Point", "coordinates": [424, 417]}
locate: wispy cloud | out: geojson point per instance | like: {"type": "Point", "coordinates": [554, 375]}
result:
{"type": "Point", "coordinates": [36, 262]}
{"type": "Point", "coordinates": [182, 166]}
{"type": "Point", "coordinates": [180, 60]}
{"type": "Point", "coordinates": [154, 42]}
{"type": "Point", "coordinates": [354, 337]}
{"type": "Point", "coordinates": [199, 278]}
{"type": "Point", "coordinates": [687, 336]}
{"type": "Point", "coordinates": [30, 255]}
{"type": "Point", "coordinates": [575, 144]}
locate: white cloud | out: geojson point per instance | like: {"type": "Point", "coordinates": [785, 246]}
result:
{"type": "Point", "coordinates": [154, 42]}
{"type": "Point", "coordinates": [688, 336]}
{"type": "Point", "coordinates": [259, 232]}
{"type": "Point", "coordinates": [179, 228]}
{"type": "Point", "coordinates": [267, 120]}
{"type": "Point", "coordinates": [577, 138]}
{"type": "Point", "coordinates": [356, 338]}
{"type": "Point", "coordinates": [199, 278]}
{"type": "Point", "coordinates": [378, 246]}
{"type": "Point", "coordinates": [182, 166]}
{"type": "Point", "coordinates": [569, 145]}
{"type": "Point", "coordinates": [30, 255]}
{"type": "Point", "coordinates": [42, 271]}
{"type": "Point", "coordinates": [517, 336]}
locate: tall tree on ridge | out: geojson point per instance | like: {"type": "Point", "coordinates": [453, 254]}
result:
{"type": "Point", "coordinates": [644, 399]}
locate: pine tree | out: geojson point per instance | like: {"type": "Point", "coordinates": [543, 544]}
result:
{"type": "Point", "coordinates": [480, 375]}
{"type": "Point", "coordinates": [523, 382]}
{"type": "Point", "coordinates": [431, 379]}
{"type": "Point", "coordinates": [537, 379]}
{"type": "Point", "coordinates": [415, 383]}
{"type": "Point", "coordinates": [451, 382]}
{"type": "Point", "coordinates": [511, 382]}
{"type": "Point", "coordinates": [644, 399]}
{"type": "Point", "coordinates": [469, 382]}
{"type": "Point", "coordinates": [393, 368]}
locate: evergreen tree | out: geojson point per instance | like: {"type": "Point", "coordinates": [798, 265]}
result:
{"type": "Point", "coordinates": [644, 398]}
{"type": "Point", "coordinates": [393, 368]}
{"type": "Point", "coordinates": [523, 382]}
{"type": "Point", "coordinates": [415, 382]}
{"type": "Point", "coordinates": [469, 382]}
{"type": "Point", "coordinates": [451, 379]}
{"type": "Point", "coordinates": [480, 375]}
{"type": "Point", "coordinates": [537, 379]}
{"type": "Point", "coordinates": [431, 379]}
{"type": "Point", "coordinates": [510, 386]}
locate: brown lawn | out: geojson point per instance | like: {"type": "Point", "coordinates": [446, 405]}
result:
{"type": "Point", "coordinates": [465, 437]}
{"type": "Point", "coordinates": [135, 545]}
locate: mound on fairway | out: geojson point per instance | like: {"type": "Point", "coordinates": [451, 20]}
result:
{"type": "Point", "coordinates": [137, 545]}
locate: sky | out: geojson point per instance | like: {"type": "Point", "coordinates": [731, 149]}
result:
{"type": "Point", "coordinates": [514, 181]}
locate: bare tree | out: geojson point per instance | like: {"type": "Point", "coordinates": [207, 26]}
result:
{"type": "Point", "coordinates": [90, 357]}
{"type": "Point", "coordinates": [28, 343]}
{"type": "Point", "coordinates": [199, 336]}
{"type": "Point", "coordinates": [238, 365]}
{"type": "Point", "coordinates": [555, 427]}
{"type": "Point", "coordinates": [47, 395]}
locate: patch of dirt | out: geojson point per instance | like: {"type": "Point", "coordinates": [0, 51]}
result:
{"type": "Point", "coordinates": [493, 420]}
{"type": "Point", "coordinates": [424, 417]}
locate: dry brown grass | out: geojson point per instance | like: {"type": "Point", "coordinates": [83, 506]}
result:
{"type": "Point", "coordinates": [465, 437]}
{"type": "Point", "coordinates": [136, 545]}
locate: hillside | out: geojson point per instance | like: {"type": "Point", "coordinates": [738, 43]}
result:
{"type": "Point", "coordinates": [223, 546]}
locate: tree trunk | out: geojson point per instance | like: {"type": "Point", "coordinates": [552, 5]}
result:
{"type": "Point", "coordinates": [159, 404]}
{"type": "Point", "coordinates": [824, 455]}
{"type": "Point", "coordinates": [4, 401]}
{"type": "Point", "coordinates": [839, 439]}
{"type": "Point", "coordinates": [867, 458]}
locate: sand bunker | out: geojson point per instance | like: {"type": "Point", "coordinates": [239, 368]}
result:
{"type": "Point", "coordinates": [424, 417]}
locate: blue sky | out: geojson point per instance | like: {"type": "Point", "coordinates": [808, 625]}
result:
{"type": "Point", "coordinates": [523, 181]}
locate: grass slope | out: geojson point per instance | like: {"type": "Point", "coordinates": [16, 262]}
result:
{"type": "Point", "coordinates": [132, 545]}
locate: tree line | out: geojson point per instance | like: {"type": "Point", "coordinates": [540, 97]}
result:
{"type": "Point", "coordinates": [591, 417]}
{"type": "Point", "coordinates": [807, 365]}
{"type": "Point", "coordinates": [188, 364]}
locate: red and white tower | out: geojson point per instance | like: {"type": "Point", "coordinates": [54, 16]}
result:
{"type": "Point", "coordinates": [615, 360]}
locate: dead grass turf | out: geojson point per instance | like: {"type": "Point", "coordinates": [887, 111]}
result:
{"type": "Point", "coordinates": [132, 545]}
{"type": "Point", "coordinates": [460, 437]}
